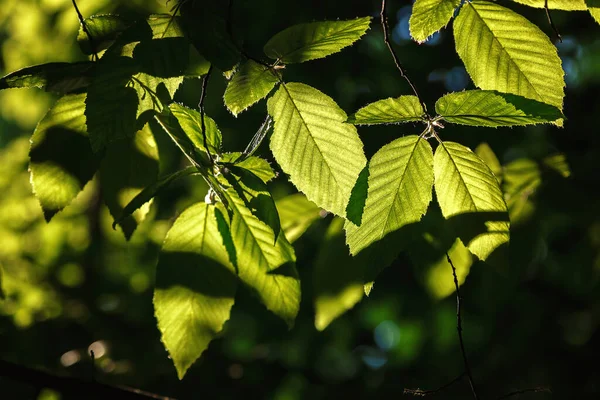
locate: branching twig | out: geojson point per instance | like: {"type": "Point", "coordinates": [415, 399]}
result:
{"type": "Point", "coordinates": [552, 22]}
{"type": "Point", "coordinates": [423, 393]}
{"type": "Point", "coordinates": [386, 39]}
{"type": "Point", "coordinates": [459, 329]}
{"type": "Point", "coordinates": [532, 390]}
{"type": "Point", "coordinates": [86, 30]}
{"type": "Point", "coordinates": [201, 107]}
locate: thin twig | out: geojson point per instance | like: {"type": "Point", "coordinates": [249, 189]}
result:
{"type": "Point", "coordinates": [552, 22]}
{"type": "Point", "coordinates": [532, 390]}
{"type": "Point", "coordinates": [93, 357]}
{"type": "Point", "coordinates": [459, 329]}
{"type": "Point", "coordinates": [423, 393]}
{"type": "Point", "coordinates": [201, 107]}
{"type": "Point", "coordinates": [386, 39]}
{"type": "Point", "coordinates": [86, 31]}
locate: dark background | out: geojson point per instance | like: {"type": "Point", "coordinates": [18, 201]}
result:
{"type": "Point", "coordinates": [531, 321]}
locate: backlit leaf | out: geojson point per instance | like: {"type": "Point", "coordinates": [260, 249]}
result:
{"type": "Point", "coordinates": [490, 108]}
{"type": "Point", "coordinates": [569, 5]}
{"type": "Point", "coordinates": [429, 16]}
{"type": "Point", "coordinates": [304, 42]}
{"type": "Point", "coordinates": [251, 82]}
{"type": "Point", "coordinates": [400, 190]}
{"type": "Point", "coordinates": [389, 111]}
{"type": "Point", "coordinates": [503, 51]}
{"type": "Point", "coordinates": [297, 214]}
{"type": "Point", "coordinates": [103, 29]}
{"type": "Point", "coordinates": [311, 142]}
{"type": "Point", "coordinates": [485, 152]}
{"type": "Point", "coordinates": [594, 9]}
{"type": "Point", "coordinates": [469, 196]}
{"type": "Point", "coordinates": [61, 158]}
{"type": "Point", "coordinates": [56, 77]}
{"type": "Point", "coordinates": [195, 285]}
{"type": "Point", "coordinates": [258, 166]}
{"type": "Point", "coordinates": [191, 124]}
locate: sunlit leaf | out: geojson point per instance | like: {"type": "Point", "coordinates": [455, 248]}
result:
{"type": "Point", "coordinates": [128, 166]}
{"type": "Point", "coordinates": [2, 295]}
{"type": "Point", "coordinates": [195, 285]}
{"type": "Point", "coordinates": [103, 29]}
{"type": "Point", "coordinates": [251, 82]}
{"type": "Point", "coordinates": [429, 16]}
{"type": "Point", "coordinates": [297, 214]}
{"type": "Point", "coordinates": [61, 159]}
{"type": "Point", "coordinates": [490, 108]}
{"type": "Point", "coordinates": [191, 124]}
{"type": "Point", "coordinates": [594, 9]}
{"type": "Point", "coordinates": [439, 278]}
{"type": "Point", "coordinates": [558, 163]}
{"type": "Point", "coordinates": [263, 264]}
{"type": "Point", "coordinates": [314, 40]}
{"type": "Point", "coordinates": [56, 77]}
{"type": "Point", "coordinates": [469, 194]}
{"type": "Point", "coordinates": [258, 166]}
{"type": "Point", "coordinates": [311, 142]}
{"type": "Point", "coordinates": [569, 5]}
{"type": "Point", "coordinates": [389, 111]}
{"type": "Point", "coordinates": [485, 152]}
{"type": "Point", "coordinates": [150, 192]}
{"type": "Point", "coordinates": [400, 190]}
{"type": "Point", "coordinates": [522, 178]}
{"type": "Point", "coordinates": [530, 68]}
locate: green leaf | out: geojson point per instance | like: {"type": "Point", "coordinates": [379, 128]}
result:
{"type": "Point", "coordinates": [251, 82]}
{"type": "Point", "coordinates": [191, 124]}
{"type": "Point", "coordinates": [558, 163]}
{"type": "Point", "coordinates": [389, 111]}
{"type": "Point", "coordinates": [129, 165]}
{"type": "Point", "coordinates": [258, 166]}
{"type": "Point", "coordinates": [304, 42]}
{"type": "Point", "coordinates": [439, 279]}
{"type": "Point", "coordinates": [163, 58]}
{"type": "Point", "coordinates": [485, 152]}
{"type": "Point", "coordinates": [594, 9]}
{"type": "Point", "coordinates": [111, 106]}
{"type": "Point", "coordinates": [311, 142]}
{"type": "Point", "coordinates": [62, 161]}
{"type": "Point", "coordinates": [569, 5]}
{"type": "Point", "coordinates": [150, 192]}
{"type": "Point", "coordinates": [337, 276]}
{"type": "Point", "coordinates": [205, 24]}
{"type": "Point", "coordinates": [522, 178]}
{"type": "Point", "coordinates": [490, 108]}
{"type": "Point", "coordinates": [263, 264]}
{"type": "Point", "coordinates": [153, 94]}
{"type": "Point", "coordinates": [400, 190]}
{"type": "Point", "coordinates": [297, 214]}
{"type": "Point", "coordinates": [2, 294]}
{"type": "Point", "coordinates": [489, 40]}
{"type": "Point", "coordinates": [358, 197]}
{"type": "Point", "coordinates": [195, 285]}
{"type": "Point", "coordinates": [104, 29]}
{"type": "Point", "coordinates": [469, 194]}
{"type": "Point", "coordinates": [56, 77]}
{"type": "Point", "coordinates": [255, 195]}
{"type": "Point", "coordinates": [429, 16]}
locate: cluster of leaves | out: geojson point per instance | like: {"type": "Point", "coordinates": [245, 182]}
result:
{"type": "Point", "coordinates": [239, 234]}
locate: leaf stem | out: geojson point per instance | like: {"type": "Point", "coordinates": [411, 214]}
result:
{"type": "Point", "coordinates": [201, 107]}
{"type": "Point", "coordinates": [386, 39]}
{"type": "Point", "coordinates": [86, 30]}
{"type": "Point", "coordinates": [551, 22]}
{"type": "Point", "coordinates": [459, 329]}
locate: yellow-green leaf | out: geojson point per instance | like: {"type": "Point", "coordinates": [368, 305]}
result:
{"type": "Point", "coordinates": [314, 40]}
{"type": "Point", "coordinates": [569, 5]}
{"type": "Point", "coordinates": [251, 82]}
{"type": "Point", "coordinates": [469, 195]}
{"type": "Point", "coordinates": [429, 16]}
{"type": "Point", "coordinates": [400, 190]}
{"type": "Point", "coordinates": [297, 214]}
{"type": "Point", "coordinates": [195, 285]}
{"type": "Point", "coordinates": [389, 111]}
{"type": "Point", "coordinates": [311, 142]}
{"type": "Point", "coordinates": [503, 51]}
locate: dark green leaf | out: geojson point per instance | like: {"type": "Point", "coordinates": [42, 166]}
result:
{"type": "Point", "coordinates": [129, 165]}
{"type": "Point", "coordinates": [53, 77]}
{"type": "Point", "coordinates": [104, 29]}
{"type": "Point", "coordinates": [62, 161]}
{"type": "Point", "coordinates": [358, 197]}
{"type": "Point", "coordinates": [195, 285]}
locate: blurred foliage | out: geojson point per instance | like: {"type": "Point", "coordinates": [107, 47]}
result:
{"type": "Point", "coordinates": [531, 312]}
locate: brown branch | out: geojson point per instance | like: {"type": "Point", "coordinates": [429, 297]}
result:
{"type": "Point", "coordinates": [552, 22]}
{"type": "Point", "coordinates": [423, 393]}
{"type": "Point", "coordinates": [532, 390]}
{"type": "Point", "coordinates": [72, 388]}
{"type": "Point", "coordinates": [201, 107]}
{"type": "Point", "coordinates": [86, 31]}
{"type": "Point", "coordinates": [386, 39]}
{"type": "Point", "coordinates": [459, 329]}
